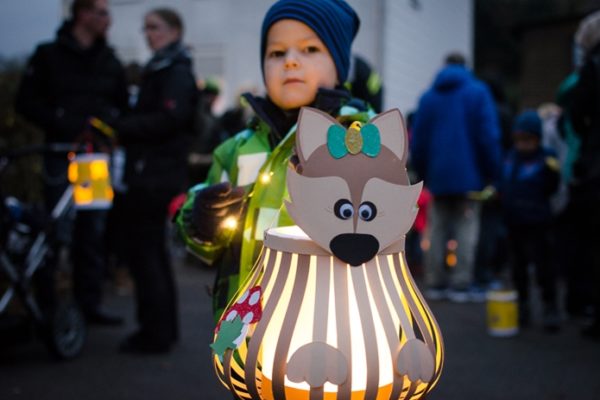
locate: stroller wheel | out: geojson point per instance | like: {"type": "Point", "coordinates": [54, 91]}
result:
{"type": "Point", "coordinates": [66, 332]}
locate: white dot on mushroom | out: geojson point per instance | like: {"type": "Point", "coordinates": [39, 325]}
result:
{"type": "Point", "coordinates": [248, 318]}
{"type": "Point", "coordinates": [231, 315]}
{"type": "Point", "coordinates": [254, 298]}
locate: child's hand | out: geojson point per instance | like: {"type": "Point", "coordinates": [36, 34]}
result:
{"type": "Point", "coordinates": [213, 207]}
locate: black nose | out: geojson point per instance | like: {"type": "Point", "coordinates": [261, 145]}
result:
{"type": "Point", "coordinates": [354, 248]}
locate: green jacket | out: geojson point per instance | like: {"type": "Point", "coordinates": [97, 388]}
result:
{"type": "Point", "coordinates": [256, 161]}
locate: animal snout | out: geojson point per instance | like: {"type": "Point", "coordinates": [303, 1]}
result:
{"type": "Point", "coordinates": [354, 248]}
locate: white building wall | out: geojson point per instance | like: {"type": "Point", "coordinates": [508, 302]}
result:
{"type": "Point", "coordinates": [417, 35]}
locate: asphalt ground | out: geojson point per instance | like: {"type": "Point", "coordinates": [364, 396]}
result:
{"type": "Point", "coordinates": [532, 365]}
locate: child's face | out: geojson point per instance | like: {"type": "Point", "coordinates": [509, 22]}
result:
{"type": "Point", "coordinates": [525, 142]}
{"type": "Point", "coordinates": [296, 64]}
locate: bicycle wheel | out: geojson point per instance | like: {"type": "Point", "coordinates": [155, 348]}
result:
{"type": "Point", "coordinates": [66, 331]}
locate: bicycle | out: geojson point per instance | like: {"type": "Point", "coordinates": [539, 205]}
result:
{"type": "Point", "coordinates": [27, 240]}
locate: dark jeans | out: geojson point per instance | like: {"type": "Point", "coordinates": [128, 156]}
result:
{"type": "Point", "coordinates": [532, 244]}
{"type": "Point", "coordinates": [490, 258]}
{"type": "Point", "coordinates": [591, 227]}
{"type": "Point", "coordinates": [87, 250]}
{"type": "Point", "coordinates": [88, 254]}
{"type": "Point", "coordinates": [595, 269]}
{"type": "Point", "coordinates": [585, 199]}
{"type": "Point", "coordinates": [575, 249]}
{"type": "Point", "coordinates": [149, 262]}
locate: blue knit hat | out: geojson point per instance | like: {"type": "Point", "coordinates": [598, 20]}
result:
{"type": "Point", "coordinates": [334, 22]}
{"type": "Point", "coordinates": [529, 121]}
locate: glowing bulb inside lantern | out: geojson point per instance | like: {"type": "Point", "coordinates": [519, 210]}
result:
{"type": "Point", "coordinates": [230, 223]}
{"type": "Point", "coordinates": [266, 177]}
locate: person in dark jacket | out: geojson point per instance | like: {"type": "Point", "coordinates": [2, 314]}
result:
{"type": "Point", "coordinates": [585, 116]}
{"type": "Point", "coordinates": [208, 131]}
{"type": "Point", "coordinates": [455, 149]}
{"type": "Point", "coordinates": [531, 175]}
{"type": "Point", "coordinates": [66, 82]}
{"type": "Point", "coordinates": [365, 83]}
{"type": "Point", "coordinates": [156, 137]}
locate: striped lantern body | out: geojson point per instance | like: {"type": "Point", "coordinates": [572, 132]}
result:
{"type": "Point", "coordinates": [333, 331]}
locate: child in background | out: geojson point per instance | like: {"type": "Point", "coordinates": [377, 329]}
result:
{"type": "Point", "coordinates": [305, 53]}
{"type": "Point", "coordinates": [530, 177]}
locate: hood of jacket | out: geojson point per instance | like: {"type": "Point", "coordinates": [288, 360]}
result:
{"type": "Point", "coordinates": [451, 77]}
{"type": "Point", "coordinates": [280, 121]}
{"type": "Point", "coordinates": [64, 37]}
{"type": "Point", "coordinates": [167, 56]}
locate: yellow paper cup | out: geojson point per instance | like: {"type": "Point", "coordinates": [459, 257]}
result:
{"type": "Point", "coordinates": [502, 313]}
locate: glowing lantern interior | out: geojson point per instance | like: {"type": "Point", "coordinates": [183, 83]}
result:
{"type": "Point", "coordinates": [90, 178]}
{"type": "Point", "coordinates": [365, 316]}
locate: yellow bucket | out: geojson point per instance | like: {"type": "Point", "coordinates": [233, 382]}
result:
{"type": "Point", "coordinates": [90, 178]}
{"type": "Point", "coordinates": [502, 313]}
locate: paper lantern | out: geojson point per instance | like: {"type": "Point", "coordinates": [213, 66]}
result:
{"type": "Point", "coordinates": [330, 310]}
{"type": "Point", "coordinates": [90, 178]}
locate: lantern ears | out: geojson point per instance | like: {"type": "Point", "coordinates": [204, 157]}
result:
{"type": "Point", "coordinates": [385, 129]}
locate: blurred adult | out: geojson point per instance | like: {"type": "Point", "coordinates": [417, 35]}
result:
{"type": "Point", "coordinates": [574, 249]}
{"type": "Point", "coordinates": [208, 131]}
{"type": "Point", "coordinates": [365, 83]}
{"type": "Point", "coordinates": [550, 114]}
{"type": "Point", "coordinates": [585, 116]}
{"type": "Point", "coordinates": [235, 118]}
{"type": "Point", "coordinates": [491, 256]}
{"type": "Point", "coordinates": [66, 81]}
{"type": "Point", "coordinates": [156, 137]}
{"type": "Point", "coordinates": [455, 149]}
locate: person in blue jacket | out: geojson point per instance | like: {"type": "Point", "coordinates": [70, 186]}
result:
{"type": "Point", "coordinates": [455, 149]}
{"type": "Point", "coordinates": [530, 176]}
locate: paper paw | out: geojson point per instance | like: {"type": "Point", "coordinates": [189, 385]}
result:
{"type": "Point", "coordinates": [317, 363]}
{"type": "Point", "coordinates": [415, 360]}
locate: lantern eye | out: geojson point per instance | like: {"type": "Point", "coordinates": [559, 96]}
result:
{"type": "Point", "coordinates": [367, 211]}
{"type": "Point", "coordinates": [343, 209]}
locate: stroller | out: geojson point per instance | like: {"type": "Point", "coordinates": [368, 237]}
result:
{"type": "Point", "coordinates": [27, 239]}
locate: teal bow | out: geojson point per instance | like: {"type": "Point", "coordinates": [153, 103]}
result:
{"type": "Point", "coordinates": [340, 142]}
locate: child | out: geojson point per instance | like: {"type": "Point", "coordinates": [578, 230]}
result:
{"type": "Point", "coordinates": [530, 177]}
{"type": "Point", "coordinates": [305, 53]}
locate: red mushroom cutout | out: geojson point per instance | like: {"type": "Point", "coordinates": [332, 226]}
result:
{"type": "Point", "coordinates": [248, 309]}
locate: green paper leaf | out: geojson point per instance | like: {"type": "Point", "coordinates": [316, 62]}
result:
{"type": "Point", "coordinates": [335, 141]}
{"type": "Point", "coordinates": [228, 332]}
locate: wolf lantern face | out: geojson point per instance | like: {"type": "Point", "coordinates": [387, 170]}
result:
{"type": "Point", "coordinates": [350, 192]}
